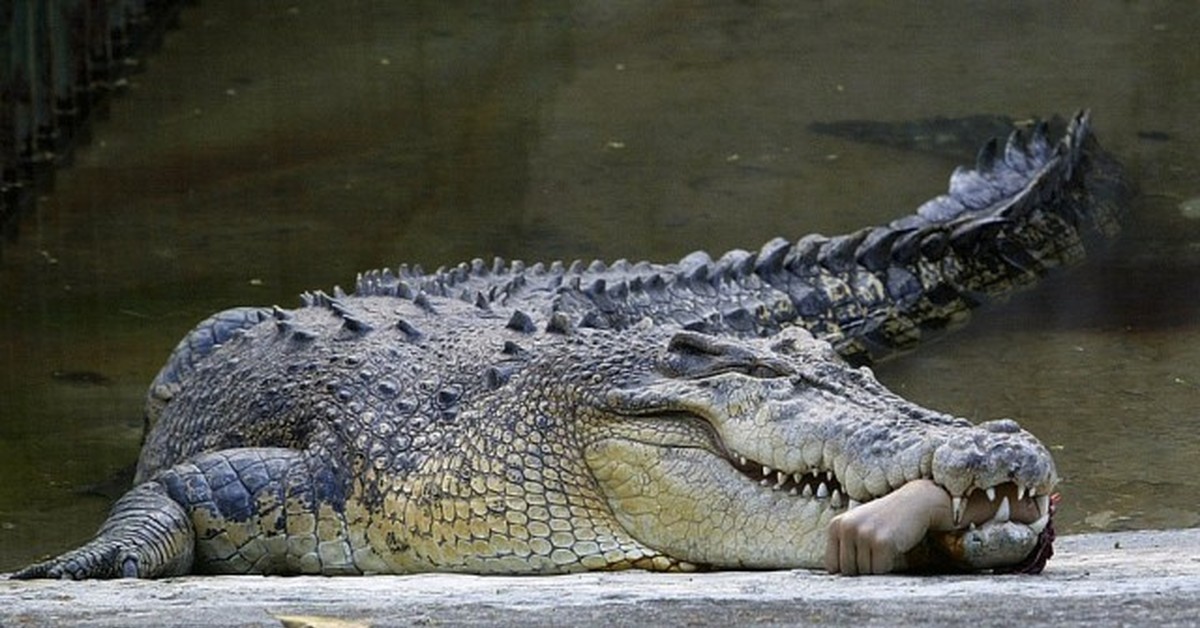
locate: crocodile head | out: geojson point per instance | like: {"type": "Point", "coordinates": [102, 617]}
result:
{"type": "Point", "coordinates": [741, 453]}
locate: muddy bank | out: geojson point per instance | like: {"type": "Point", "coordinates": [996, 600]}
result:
{"type": "Point", "coordinates": [1119, 578]}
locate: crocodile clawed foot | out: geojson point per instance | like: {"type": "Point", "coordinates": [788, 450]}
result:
{"type": "Point", "coordinates": [98, 559]}
{"type": "Point", "coordinates": [147, 535]}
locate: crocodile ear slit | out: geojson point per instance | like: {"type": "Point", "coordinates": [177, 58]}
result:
{"type": "Point", "coordinates": [694, 343]}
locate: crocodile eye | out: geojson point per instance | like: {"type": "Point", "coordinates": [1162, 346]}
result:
{"type": "Point", "coordinates": [691, 354]}
{"type": "Point", "coordinates": [763, 371]}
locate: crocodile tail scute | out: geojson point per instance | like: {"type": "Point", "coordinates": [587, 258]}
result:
{"type": "Point", "coordinates": [1028, 206]}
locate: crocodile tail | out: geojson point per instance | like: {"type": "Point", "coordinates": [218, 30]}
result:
{"type": "Point", "coordinates": [1026, 208]}
{"type": "Point", "coordinates": [205, 338]}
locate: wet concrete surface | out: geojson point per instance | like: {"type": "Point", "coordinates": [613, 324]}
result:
{"type": "Point", "coordinates": [1127, 578]}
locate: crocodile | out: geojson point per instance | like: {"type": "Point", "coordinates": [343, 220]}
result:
{"type": "Point", "coordinates": [706, 414]}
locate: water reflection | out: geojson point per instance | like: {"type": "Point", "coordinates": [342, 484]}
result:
{"type": "Point", "coordinates": [270, 149]}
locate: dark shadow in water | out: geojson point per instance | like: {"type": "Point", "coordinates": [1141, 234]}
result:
{"type": "Point", "coordinates": [953, 138]}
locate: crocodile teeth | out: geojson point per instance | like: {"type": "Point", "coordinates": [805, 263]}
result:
{"type": "Point", "coordinates": [958, 507]}
{"type": "Point", "coordinates": [1002, 512]}
{"type": "Point", "coordinates": [808, 483]}
{"type": "Point", "coordinates": [1040, 524]}
{"type": "Point", "coordinates": [852, 504]}
{"type": "Point", "coordinates": [1043, 503]}
{"type": "Point", "coordinates": [835, 500]}
{"type": "Point", "coordinates": [1020, 492]}
{"type": "Point", "coordinates": [991, 493]}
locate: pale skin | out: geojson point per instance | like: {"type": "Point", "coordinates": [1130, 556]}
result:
{"type": "Point", "coordinates": [873, 538]}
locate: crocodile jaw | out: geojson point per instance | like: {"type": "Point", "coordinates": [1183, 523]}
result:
{"type": "Point", "coordinates": [687, 503]}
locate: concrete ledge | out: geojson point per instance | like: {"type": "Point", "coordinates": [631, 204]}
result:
{"type": "Point", "coordinates": [1145, 578]}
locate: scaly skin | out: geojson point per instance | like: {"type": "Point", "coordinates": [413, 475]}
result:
{"type": "Point", "coordinates": [531, 451]}
{"type": "Point", "coordinates": [548, 420]}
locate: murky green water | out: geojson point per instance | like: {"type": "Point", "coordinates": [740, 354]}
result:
{"type": "Point", "coordinates": [274, 147]}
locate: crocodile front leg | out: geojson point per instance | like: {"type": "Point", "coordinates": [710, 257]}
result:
{"type": "Point", "coordinates": [252, 510]}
